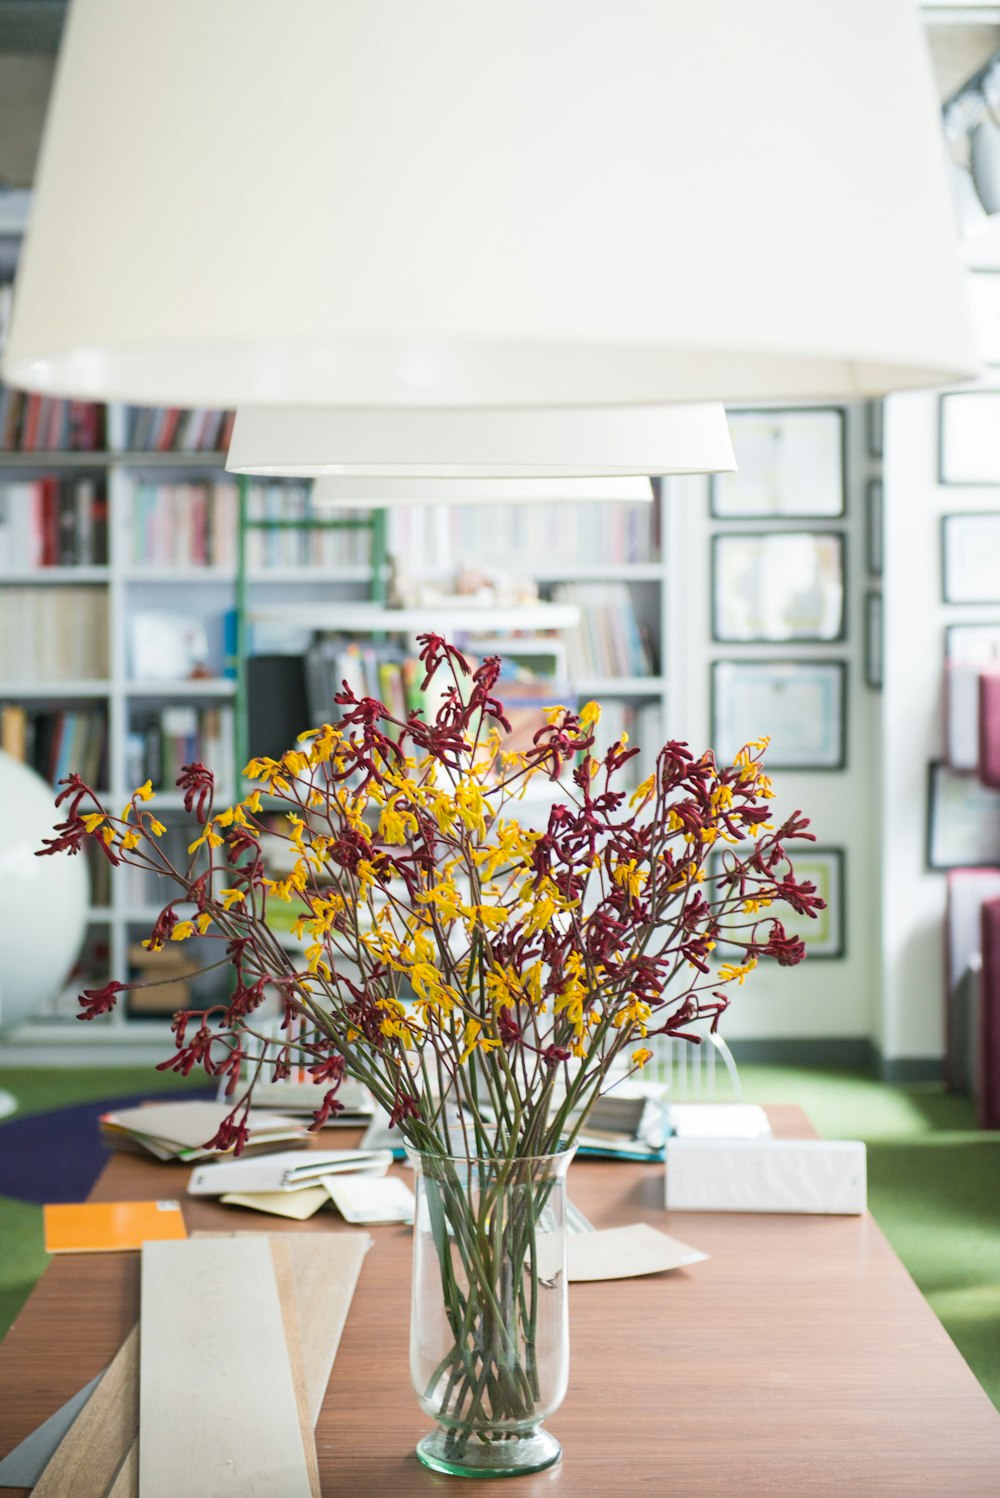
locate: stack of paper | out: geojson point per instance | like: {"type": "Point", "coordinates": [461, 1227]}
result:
{"type": "Point", "coordinates": [104, 1227]}
{"type": "Point", "coordinates": [718, 1121]}
{"type": "Point", "coordinates": [300, 1097]}
{"type": "Point", "coordinates": [628, 1125]}
{"type": "Point", "coordinates": [178, 1131]}
{"type": "Point", "coordinates": [292, 1183]}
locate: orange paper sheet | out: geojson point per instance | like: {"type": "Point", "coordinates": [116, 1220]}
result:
{"type": "Point", "coordinates": [104, 1227]}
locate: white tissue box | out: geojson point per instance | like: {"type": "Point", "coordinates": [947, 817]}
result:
{"type": "Point", "coordinates": [766, 1175]}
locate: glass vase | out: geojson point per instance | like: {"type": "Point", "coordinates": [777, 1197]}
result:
{"type": "Point", "coordinates": [489, 1335]}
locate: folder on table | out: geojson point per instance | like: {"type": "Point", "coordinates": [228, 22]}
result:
{"type": "Point", "coordinates": [106, 1227]}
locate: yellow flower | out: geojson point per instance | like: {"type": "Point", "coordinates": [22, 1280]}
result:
{"type": "Point", "coordinates": [734, 971]}
{"type": "Point", "coordinates": [130, 841]}
{"type": "Point", "coordinates": [231, 897]}
{"type": "Point", "coordinates": [629, 877]}
{"type": "Point", "coordinates": [474, 1040]}
{"type": "Point", "coordinates": [590, 714]}
{"type": "Point", "coordinates": [641, 1056]}
{"type": "Point", "coordinates": [252, 802]}
{"type": "Point", "coordinates": [203, 922]}
{"type": "Point", "coordinates": [182, 931]}
{"type": "Point", "coordinates": [92, 820]}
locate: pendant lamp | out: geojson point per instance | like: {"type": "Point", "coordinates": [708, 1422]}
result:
{"type": "Point", "coordinates": [331, 493]}
{"type": "Point", "coordinates": [490, 203]}
{"type": "Point", "coordinates": [408, 445]}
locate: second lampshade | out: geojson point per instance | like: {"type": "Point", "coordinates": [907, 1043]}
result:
{"type": "Point", "coordinates": [589, 444]}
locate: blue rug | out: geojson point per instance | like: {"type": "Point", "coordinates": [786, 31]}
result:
{"type": "Point", "coordinates": [57, 1156]}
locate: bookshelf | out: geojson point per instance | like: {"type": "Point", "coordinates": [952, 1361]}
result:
{"type": "Point", "coordinates": [163, 572]}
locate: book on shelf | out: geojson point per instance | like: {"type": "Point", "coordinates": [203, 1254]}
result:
{"type": "Point", "coordinates": [185, 524]}
{"type": "Point", "coordinates": [523, 538]}
{"type": "Point", "coordinates": [56, 741]}
{"type": "Point", "coordinates": [53, 522]}
{"type": "Point", "coordinates": [383, 671]}
{"type": "Point", "coordinates": [41, 423]}
{"type": "Point", "coordinates": [316, 545]}
{"type": "Point", "coordinates": [609, 640]}
{"type": "Point", "coordinates": [162, 740]}
{"type": "Point", "coordinates": [165, 429]}
{"type": "Point", "coordinates": [53, 633]}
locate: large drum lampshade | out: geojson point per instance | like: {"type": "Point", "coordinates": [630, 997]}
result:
{"type": "Point", "coordinates": [490, 203]}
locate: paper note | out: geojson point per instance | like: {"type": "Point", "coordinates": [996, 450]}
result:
{"type": "Point", "coordinates": [621, 1253]}
{"type": "Point", "coordinates": [290, 1170]}
{"type": "Point", "coordinates": [295, 1204]}
{"type": "Point", "coordinates": [718, 1121]}
{"type": "Point", "coordinates": [361, 1199]}
{"type": "Point", "coordinates": [103, 1227]}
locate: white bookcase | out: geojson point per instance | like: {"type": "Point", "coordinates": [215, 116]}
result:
{"type": "Point", "coordinates": [279, 597]}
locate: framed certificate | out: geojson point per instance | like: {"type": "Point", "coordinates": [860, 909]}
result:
{"type": "Point", "coordinates": [778, 585]}
{"type": "Point", "coordinates": [790, 463]}
{"type": "Point", "coordinates": [970, 556]}
{"type": "Point", "coordinates": [825, 933]}
{"type": "Point", "coordinates": [800, 705]}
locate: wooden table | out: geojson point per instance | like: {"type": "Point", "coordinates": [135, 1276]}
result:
{"type": "Point", "coordinates": [799, 1360]}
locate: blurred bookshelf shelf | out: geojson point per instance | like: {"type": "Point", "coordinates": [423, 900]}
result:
{"type": "Point", "coordinates": [620, 686]}
{"type": "Point", "coordinates": [44, 690]}
{"type": "Point", "coordinates": [209, 686]}
{"type": "Point", "coordinates": [11, 576]}
{"type": "Point", "coordinates": [364, 618]}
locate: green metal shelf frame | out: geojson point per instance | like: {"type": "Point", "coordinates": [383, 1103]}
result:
{"type": "Point", "coordinates": [375, 524]}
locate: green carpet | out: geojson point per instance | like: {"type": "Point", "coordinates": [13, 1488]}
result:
{"type": "Point", "coordinates": [933, 1185]}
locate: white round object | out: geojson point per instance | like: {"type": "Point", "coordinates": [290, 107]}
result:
{"type": "Point", "coordinates": [490, 204]}
{"type": "Point", "coordinates": [43, 901]}
{"type": "Point", "coordinates": [631, 442]}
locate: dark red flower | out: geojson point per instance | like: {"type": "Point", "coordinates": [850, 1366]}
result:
{"type": "Point", "coordinates": [198, 785]}
{"type": "Point", "coordinates": [95, 1001]}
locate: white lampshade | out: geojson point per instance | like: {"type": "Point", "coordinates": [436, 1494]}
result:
{"type": "Point", "coordinates": [628, 441]}
{"type": "Point", "coordinates": [332, 493]}
{"type": "Point", "coordinates": [448, 203]}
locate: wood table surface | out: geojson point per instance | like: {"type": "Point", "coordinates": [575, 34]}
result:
{"type": "Point", "coordinates": [800, 1359]}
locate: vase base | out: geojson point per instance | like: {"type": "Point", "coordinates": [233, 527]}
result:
{"type": "Point", "coordinates": [510, 1458]}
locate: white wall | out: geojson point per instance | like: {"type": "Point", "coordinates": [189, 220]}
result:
{"type": "Point", "coordinates": [822, 998]}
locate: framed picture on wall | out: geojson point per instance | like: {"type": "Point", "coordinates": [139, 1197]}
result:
{"type": "Point", "coordinates": [963, 821]}
{"type": "Point", "coordinates": [984, 295]}
{"type": "Point", "coordinates": [777, 586]}
{"type": "Point", "coordinates": [874, 526]}
{"type": "Point", "coordinates": [800, 705]}
{"type": "Point", "coordinates": [970, 557]}
{"type": "Point", "coordinates": [969, 437]}
{"type": "Point", "coordinates": [873, 639]}
{"type": "Point", "coordinates": [972, 644]}
{"type": "Point", "coordinates": [790, 463]}
{"type": "Point", "coordinates": [825, 933]}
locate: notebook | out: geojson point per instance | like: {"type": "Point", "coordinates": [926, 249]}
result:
{"type": "Point", "coordinates": [105, 1227]}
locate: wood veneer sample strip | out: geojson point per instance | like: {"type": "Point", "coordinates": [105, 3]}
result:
{"type": "Point", "coordinates": [327, 1266]}
{"type": "Point", "coordinates": [126, 1484]}
{"type": "Point", "coordinates": [284, 1274]}
{"type": "Point", "coordinates": [89, 1456]}
{"type": "Point", "coordinates": [217, 1404]}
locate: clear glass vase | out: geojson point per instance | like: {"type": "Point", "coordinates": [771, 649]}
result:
{"type": "Point", "coordinates": [489, 1335]}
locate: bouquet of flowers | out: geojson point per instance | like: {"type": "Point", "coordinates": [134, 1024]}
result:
{"type": "Point", "coordinates": [483, 980]}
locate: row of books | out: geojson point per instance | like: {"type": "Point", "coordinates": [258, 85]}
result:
{"type": "Point", "coordinates": [53, 633]}
{"type": "Point", "coordinates": [162, 740]}
{"type": "Point", "coordinates": [52, 522]}
{"type": "Point", "coordinates": [167, 429]}
{"type": "Point", "coordinates": [41, 423]}
{"type": "Point", "coordinates": [54, 742]}
{"type": "Point", "coordinates": [609, 640]}
{"type": "Point", "coordinates": [184, 525]}
{"type": "Point", "coordinates": [306, 547]}
{"type": "Point", "coordinates": [532, 537]}
{"type": "Point", "coordinates": [195, 525]}
{"type": "Point", "coordinates": [370, 671]}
